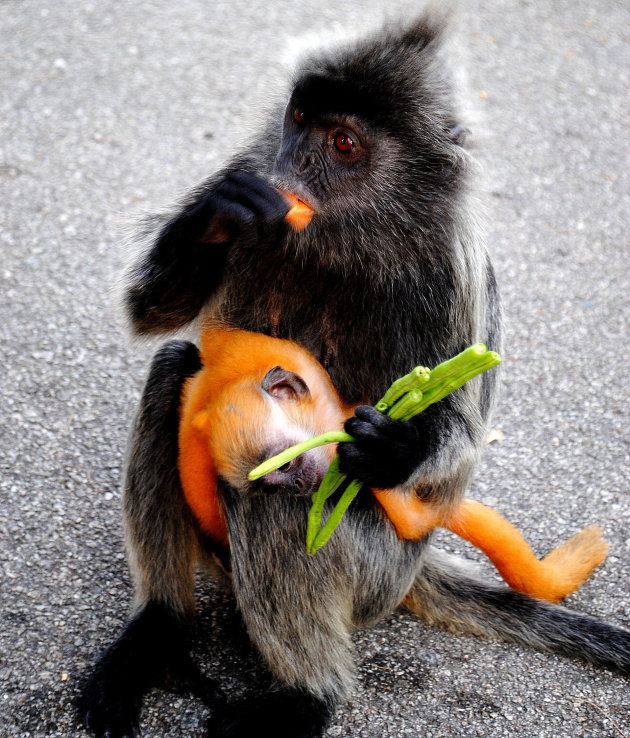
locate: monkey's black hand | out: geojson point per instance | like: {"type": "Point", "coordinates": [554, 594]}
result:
{"type": "Point", "coordinates": [283, 713]}
{"type": "Point", "coordinates": [242, 207]}
{"type": "Point", "coordinates": [178, 275]}
{"type": "Point", "coordinates": [386, 451]}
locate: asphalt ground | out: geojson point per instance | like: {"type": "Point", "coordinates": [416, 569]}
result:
{"type": "Point", "coordinates": [111, 110]}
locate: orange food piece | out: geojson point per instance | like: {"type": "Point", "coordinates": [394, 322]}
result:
{"type": "Point", "coordinates": [300, 214]}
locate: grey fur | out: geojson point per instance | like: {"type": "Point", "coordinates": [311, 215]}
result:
{"type": "Point", "coordinates": [448, 593]}
{"type": "Point", "coordinates": [300, 610]}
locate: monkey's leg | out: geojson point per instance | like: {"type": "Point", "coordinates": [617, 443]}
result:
{"type": "Point", "coordinates": [162, 544]}
{"type": "Point", "coordinates": [446, 593]}
{"type": "Point", "coordinates": [297, 611]}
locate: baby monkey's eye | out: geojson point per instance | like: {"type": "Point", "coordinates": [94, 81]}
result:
{"type": "Point", "coordinates": [343, 142]}
{"type": "Point", "coordinates": [299, 116]}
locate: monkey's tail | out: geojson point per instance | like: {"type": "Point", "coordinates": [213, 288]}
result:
{"type": "Point", "coordinates": [447, 593]}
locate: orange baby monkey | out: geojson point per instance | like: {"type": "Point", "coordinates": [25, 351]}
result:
{"type": "Point", "coordinates": [257, 395]}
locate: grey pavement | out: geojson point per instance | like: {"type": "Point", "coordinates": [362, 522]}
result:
{"type": "Point", "coordinates": [109, 110]}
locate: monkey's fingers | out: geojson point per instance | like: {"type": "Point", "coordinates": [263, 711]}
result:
{"type": "Point", "coordinates": [368, 423]}
{"type": "Point", "coordinates": [234, 218]}
{"type": "Point", "coordinates": [284, 712]}
{"type": "Point", "coordinates": [245, 207]}
{"type": "Point", "coordinates": [298, 217]}
{"type": "Point", "coordinates": [110, 712]}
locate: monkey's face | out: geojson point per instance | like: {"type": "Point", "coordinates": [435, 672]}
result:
{"type": "Point", "coordinates": [369, 141]}
{"type": "Point", "coordinates": [255, 420]}
{"type": "Point", "coordinates": [323, 154]}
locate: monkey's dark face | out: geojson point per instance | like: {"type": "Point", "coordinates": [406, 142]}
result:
{"type": "Point", "coordinates": [370, 136]}
{"type": "Point", "coordinates": [323, 155]}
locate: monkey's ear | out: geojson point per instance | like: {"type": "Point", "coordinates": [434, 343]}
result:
{"type": "Point", "coordinates": [284, 385]}
{"type": "Point", "coordinates": [427, 28]}
{"type": "Point", "coordinates": [458, 134]}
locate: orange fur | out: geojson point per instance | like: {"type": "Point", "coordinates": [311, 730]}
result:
{"type": "Point", "coordinates": [556, 576]}
{"type": "Point", "coordinates": [411, 517]}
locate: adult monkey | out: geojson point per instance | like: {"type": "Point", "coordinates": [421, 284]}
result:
{"type": "Point", "coordinates": [390, 272]}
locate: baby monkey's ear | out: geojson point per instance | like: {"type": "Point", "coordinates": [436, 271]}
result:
{"type": "Point", "coordinates": [285, 385]}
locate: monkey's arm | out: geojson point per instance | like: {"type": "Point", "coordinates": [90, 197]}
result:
{"type": "Point", "coordinates": [180, 272]}
{"type": "Point", "coordinates": [432, 454]}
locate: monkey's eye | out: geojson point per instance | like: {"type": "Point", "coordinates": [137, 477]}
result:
{"type": "Point", "coordinates": [343, 142]}
{"type": "Point", "coordinates": [299, 116]}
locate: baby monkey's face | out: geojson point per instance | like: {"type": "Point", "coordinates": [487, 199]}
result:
{"type": "Point", "coordinates": [255, 419]}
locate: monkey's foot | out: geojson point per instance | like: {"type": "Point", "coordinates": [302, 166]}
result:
{"type": "Point", "coordinates": [284, 713]}
{"type": "Point", "coordinates": [151, 651]}
{"type": "Point", "coordinates": [111, 699]}
{"type": "Point", "coordinates": [109, 706]}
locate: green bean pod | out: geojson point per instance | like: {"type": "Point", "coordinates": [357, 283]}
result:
{"type": "Point", "coordinates": [416, 379]}
{"type": "Point", "coordinates": [323, 535]}
{"type": "Point", "coordinates": [455, 365]}
{"type": "Point", "coordinates": [329, 485]}
{"type": "Point", "coordinates": [455, 381]}
{"type": "Point", "coordinates": [406, 406]}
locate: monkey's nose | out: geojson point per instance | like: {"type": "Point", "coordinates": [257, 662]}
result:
{"type": "Point", "coordinates": [303, 163]}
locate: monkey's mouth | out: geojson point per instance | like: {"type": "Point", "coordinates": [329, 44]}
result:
{"type": "Point", "coordinates": [299, 477]}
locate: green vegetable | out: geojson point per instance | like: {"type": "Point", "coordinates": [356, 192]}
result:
{"type": "Point", "coordinates": [406, 398]}
{"type": "Point", "coordinates": [406, 406]}
{"type": "Point", "coordinates": [330, 484]}
{"type": "Point", "coordinates": [317, 537]}
{"type": "Point", "coordinates": [416, 379]}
